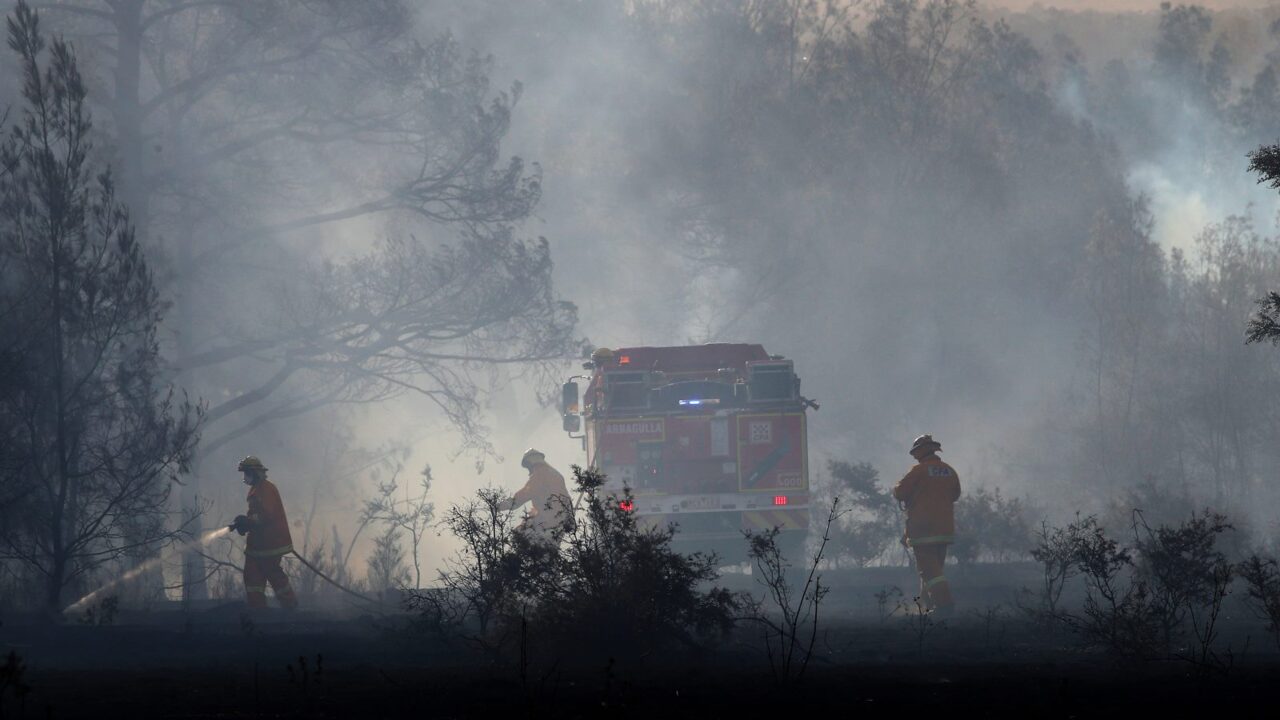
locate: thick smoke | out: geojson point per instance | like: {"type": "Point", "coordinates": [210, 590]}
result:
{"type": "Point", "coordinates": [1007, 225]}
{"type": "Point", "coordinates": [948, 237]}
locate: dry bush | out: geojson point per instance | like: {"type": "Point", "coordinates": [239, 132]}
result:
{"type": "Point", "coordinates": [616, 584]}
{"type": "Point", "coordinates": [991, 528]}
{"type": "Point", "coordinates": [13, 681]}
{"type": "Point", "coordinates": [1183, 566]}
{"type": "Point", "coordinates": [787, 614]}
{"type": "Point", "coordinates": [1118, 611]}
{"type": "Point", "coordinates": [870, 526]}
{"type": "Point", "coordinates": [487, 579]}
{"type": "Point", "coordinates": [1140, 601]}
{"type": "Point", "coordinates": [601, 583]}
{"type": "Point", "coordinates": [1055, 550]}
{"type": "Point", "coordinates": [1262, 582]}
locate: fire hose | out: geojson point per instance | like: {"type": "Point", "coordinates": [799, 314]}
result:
{"type": "Point", "coordinates": [240, 525]}
{"type": "Point", "coordinates": [331, 581]}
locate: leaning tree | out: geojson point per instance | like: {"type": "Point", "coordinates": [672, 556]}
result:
{"type": "Point", "coordinates": [259, 145]}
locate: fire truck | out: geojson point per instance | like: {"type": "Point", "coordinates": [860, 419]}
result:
{"type": "Point", "coordinates": [710, 438]}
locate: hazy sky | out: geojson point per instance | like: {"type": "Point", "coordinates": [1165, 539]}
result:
{"type": "Point", "coordinates": [1129, 5]}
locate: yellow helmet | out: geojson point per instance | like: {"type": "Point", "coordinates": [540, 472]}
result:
{"type": "Point", "coordinates": [251, 462]}
{"type": "Point", "coordinates": [531, 457]}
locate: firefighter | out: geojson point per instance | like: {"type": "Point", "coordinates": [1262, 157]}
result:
{"type": "Point", "coordinates": [546, 491]}
{"type": "Point", "coordinates": [268, 541]}
{"type": "Point", "coordinates": [928, 493]}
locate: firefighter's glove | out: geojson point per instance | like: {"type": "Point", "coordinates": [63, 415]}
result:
{"type": "Point", "coordinates": [240, 524]}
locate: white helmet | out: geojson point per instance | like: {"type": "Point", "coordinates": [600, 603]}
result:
{"type": "Point", "coordinates": [531, 457]}
{"type": "Point", "coordinates": [925, 443]}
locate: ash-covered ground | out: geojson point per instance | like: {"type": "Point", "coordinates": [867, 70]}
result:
{"type": "Point", "coordinates": [872, 657]}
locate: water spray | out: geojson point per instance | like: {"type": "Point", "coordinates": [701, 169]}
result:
{"type": "Point", "coordinates": [139, 570]}
{"type": "Point", "coordinates": [199, 542]}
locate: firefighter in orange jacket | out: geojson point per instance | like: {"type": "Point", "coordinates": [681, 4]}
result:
{"type": "Point", "coordinates": [545, 490]}
{"type": "Point", "coordinates": [928, 493]}
{"type": "Point", "coordinates": [268, 541]}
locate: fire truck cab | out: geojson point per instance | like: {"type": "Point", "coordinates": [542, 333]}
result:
{"type": "Point", "coordinates": [710, 438]}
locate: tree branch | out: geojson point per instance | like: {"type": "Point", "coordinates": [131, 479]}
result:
{"type": "Point", "coordinates": [159, 15]}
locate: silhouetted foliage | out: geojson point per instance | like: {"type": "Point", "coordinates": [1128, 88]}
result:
{"type": "Point", "coordinates": [410, 514]}
{"type": "Point", "coordinates": [788, 611]}
{"type": "Point", "coordinates": [1055, 550]}
{"type": "Point", "coordinates": [1262, 579]}
{"type": "Point", "coordinates": [93, 440]}
{"type": "Point", "coordinates": [617, 584]}
{"type": "Point", "coordinates": [387, 569]}
{"type": "Point", "coordinates": [246, 134]}
{"type": "Point", "coordinates": [1118, 612]}
{"type": "Point", "coordinates": [1180, 564]}
{"type": "Point", "coordinates": [601, 581]}
{"type": "Point", "coordinates": [1265, 163]}
{"type": "Point", "coordinates": [991, 527]}
{"type": "Point", "coordinates": [1264, 326]}
{"type": "Point", "coordinates": [282, 116]}
{"type": "Point", "coordinates": [1140, 600]}
{"type": "Point", "coordinates": [870, 524]}
{"type": "Point", "coordinates": [13, 680]}
{"type": "Point", "coordinates": [483, 579]}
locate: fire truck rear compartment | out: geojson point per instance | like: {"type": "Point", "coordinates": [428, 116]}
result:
{"type": "Point", "coordinates": [711, 438]}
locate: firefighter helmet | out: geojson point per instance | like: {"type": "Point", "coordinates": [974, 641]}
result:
{"type": "Point", "coordinates": [251, 463]}
{"type": "Point", "coordinates": [531, 457]}
{"type": "Point", "coordinates": [601, 355]}
{"type": "Point", "coordinates": [926, 443]}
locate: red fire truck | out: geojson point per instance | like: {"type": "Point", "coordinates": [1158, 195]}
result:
{"type": "Point", "coordinates": [711, 438]}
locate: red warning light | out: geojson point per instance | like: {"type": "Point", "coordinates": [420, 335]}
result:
{"type": "Point", "coordinates": [627, 505]}
{"type": "Point", "coordinates": [624, 360]}
{"type": "Point", "coordinates": [779, 499]}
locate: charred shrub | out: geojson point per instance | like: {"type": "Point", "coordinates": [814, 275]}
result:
{"type": "Point", "coordinates": [1183, 566]}
{"type": "Point", "coordinates": [991, 527]}
{"type": "Point", "coordinates": [869, 524]}
{"type": "Point", "coordinates": [13, 681]}
{"type": "Point", "coordinates": [1118, 610]}
{"type": "Point", "coordinates": [1190, 576]}
{"type": "Point", "coordinates": [614, 584]}
{"type": "Point", "coordinates": [1140, 600]}
{"type": "Point", "coordinates": [787, 613]}
{"type": "Point", "coordinates": [1055, 550]}
{"type": "Point", "coordinates": [1261, 576]}
{"type": "Point", "coordinates": [489, 579]}
{"type": "Point", "coordinates": [601, 581]}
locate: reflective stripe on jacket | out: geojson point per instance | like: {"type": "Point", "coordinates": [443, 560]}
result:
{"type": "Point", "coordinates": [269, 530]}
{"type": "Point", "coordinates": [930, 491]}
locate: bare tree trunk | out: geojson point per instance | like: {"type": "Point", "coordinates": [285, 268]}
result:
{"type": "Point", "coordinates": [60, 521]}
{"type": "Point", "coordinates": [194, 575]}
{"type": "Point", "coordinates": [53, 593]}
{"type": "Point", "coordinates": [127, 109]}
